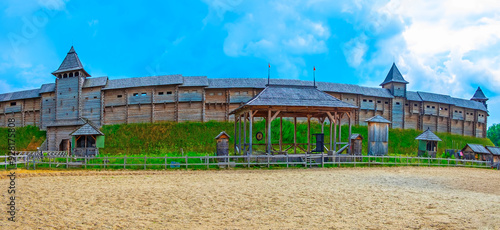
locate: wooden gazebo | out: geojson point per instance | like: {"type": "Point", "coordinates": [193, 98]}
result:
{"type": "Point", "coordinates": [427, 142]}
{"type": "Point", "coordinates": [290, 101]}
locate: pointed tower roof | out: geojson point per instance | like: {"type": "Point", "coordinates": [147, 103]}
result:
{"type": "Point", "coordinates": [479, 95]}
{"type": "Point", "coordinates": [70, 63]}
{"type": "Point", "coordinates": [394, 76]}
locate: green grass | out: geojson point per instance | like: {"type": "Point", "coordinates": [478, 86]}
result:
{"type": "Point", "coordinates": [27, 138]}
{"type": "Point", "coordinates": [197, 139]}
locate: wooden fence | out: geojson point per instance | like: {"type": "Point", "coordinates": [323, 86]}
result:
{"type": "Point", "coordinates": [206, 162]}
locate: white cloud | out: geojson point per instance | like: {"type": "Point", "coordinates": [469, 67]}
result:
{"type": "Point", "coordinates": [275, 31]}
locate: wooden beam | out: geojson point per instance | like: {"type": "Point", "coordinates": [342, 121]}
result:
{"type": "Point", "coordinates": [295, 135]}
{"type": "Point", "coordinates": [251, 133]}
{"type": "Point", "coordinates": [269, 120]}
{"type": "Point", "coordinates": [275, 115]}
{"type": "Point", "coordinates": [308, 133]}
{"type": "Point", "coordinates": [245, 132]}
{"type": "Point", "coordinates": [281, 133]}
{"type": "Point", "coordinates": [235, 137]}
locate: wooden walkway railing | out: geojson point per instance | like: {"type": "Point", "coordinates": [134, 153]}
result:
{"type": "Point", "coordinates": [206, 162]}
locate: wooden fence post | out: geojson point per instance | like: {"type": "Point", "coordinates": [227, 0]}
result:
{"type": "Point", "coordinates": [186, 161]}
{"type": "Point", "coordinates": [206, 161]}
{"type": "Point", "coordinates": [165, 161]}
{"type": "Point", "coordinates": [268, 156]}
{"type": "Point", "coordinates": [85, 159]}
{"type": "Point", "coordinates": [67, 161]}
{"type": "Point", "coordinates": [145, 159]}
{"type": "Point", "coordinates": [287, 160]}
{"type": "Point", "coordinates": [124, 161]}
{"type": "Point", "coordinates": [322, 160]}
{"type": "Point", "coordinates": [5, 159]}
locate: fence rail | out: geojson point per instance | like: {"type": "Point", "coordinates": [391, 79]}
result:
{"type": "Point", "coordinates": [34, 161]}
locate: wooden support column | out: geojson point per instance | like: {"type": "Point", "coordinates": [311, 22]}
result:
{"type": "Point", "coordinates": [350, 130]}
{"type": "Point", "coordinates": [335, 132]}
{"type": "Point", "coordinates": [330, 117]}
{"type": "Point", "coordinates": [269, 146]}
{"type": "Point", "coordinates": [239, 132]}
{"type": "Point", "coordinates": [281, 134]}
{"type": "Point", "coordinates": [245, 132]}
{"type": "Point", "coordinates": [340, 126]}
{"type": "Point", "coordinates": [250, 134]}
{"type": "Point", "coordinates": [295, 135]}
{"type": "Point", "coordinates": [235, 130]}
{"type": "Point", "coordinates": [308, 133]}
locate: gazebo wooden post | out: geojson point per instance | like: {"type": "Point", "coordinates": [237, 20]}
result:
{"type": "Point", "coordinates": [335, 132]}
{"type": "Point", "coordinates": [245, 132]}
{"type": "Point", "coordinates": [332, 121]}
{"type": "Point", "coordinates": [308, 133]}
{"type": "Point", "coordinates": [281, 134]}
{"type": "Point", "coordinates": [269, 145]}
{"type": "Point", "coordinates": [340, 127]}
{"type": "Point", "coordinates": [235, 130]}
{"type": "Point", "coordinates": [295, 135]}
{"type": "Point", "coordinates": [239, 133]}
{"type": "Point", "coordinates": [250, 133]}
{"type": "Point", "coordinates": [350, 129]}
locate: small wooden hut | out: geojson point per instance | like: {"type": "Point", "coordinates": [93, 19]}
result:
{"type": "Point", "coordinates": [378, 136]}
{"type": "Point", "coordinates": [495, 152]}
{"type": "Point", "coordinates": [222, 145]}
{"type": "Point", "coordinates": [427, 143]}
{"type": "Point", "coordinates": [356, 144]}
{"type": "Point", "coordinates": [476, 152]}
{"type": "Point", "coordinates": [86, 140]}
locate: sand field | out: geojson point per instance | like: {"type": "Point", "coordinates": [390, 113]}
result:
{"type": "Point", "coordinates": [347, 198]}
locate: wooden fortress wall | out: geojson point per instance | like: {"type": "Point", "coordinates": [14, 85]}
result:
{"type": "Point", "coordinates": [177, 103]}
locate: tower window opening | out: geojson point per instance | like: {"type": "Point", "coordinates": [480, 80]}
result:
{"type": "Point", "coordinates": [70, 74]}
{"type": "Point", "coordinates": [12, 103]}
{"type": "Point", "coordinates": [169, 92]}
{"type": "Point", "coordinates": [119, 96]}
{"type": "Point", "coordinates": [136, 94]}
{"type": "Point", "coordinates": [77, 74]}
{"type": "Point", "coordinates": [160, 93]}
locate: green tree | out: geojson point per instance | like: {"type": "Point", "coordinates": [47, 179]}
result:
{"type": "Point", "coordinates": [494, 134]}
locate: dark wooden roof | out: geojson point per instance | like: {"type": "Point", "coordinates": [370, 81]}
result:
{"type": "Point", "coordinates": [33, 93]}
{"type": "Point", "coordinates": [288, 95]}
{"type": "Point", "coordinates": [71, 62]}
{"type": "Point", "coordinates": [68, 122]}
{"type": "Point", "coordinates": [195, 81]}
{"type": "Point", "coordinates": [378, 119]}
{"type": "Point", "coordinates": [222, 133]}
{"type": "Point", "coordinates": [479, 95]}
{"type": "Point", "coordinates": [95, 82]}
{"type": "Point", "coordinates": [260, 83]}
{"type": "Point", "coordinates": [47, 88]}
{"type": "Point", "coordinates": [144, 81]}
{"type": "Point", "coordinates": [86, 129]}
{"type": "Point", "coordinates": [477, 148]}
{"type": "Point", "coordinates": [394, 76]}
{"type": "Point", "coordinates": [494, 150]}
{"type": "Point", "coordinates": [356, 135]}
{"type": "Point", "coordinates": [293, 96]}
{"type": "Point", "coordinates": [428, 135]}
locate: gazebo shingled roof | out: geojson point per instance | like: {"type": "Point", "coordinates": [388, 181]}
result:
{"type": "Point", "coordinates": [293, 97]}
{"type": "Point", "coordinates": [428, 135]}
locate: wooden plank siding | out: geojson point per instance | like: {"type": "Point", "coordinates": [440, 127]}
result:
{"type": "Point", "coordinates": [162, 103]}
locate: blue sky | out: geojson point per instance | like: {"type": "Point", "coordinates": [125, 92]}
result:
{"type": "Point", "coordinates": [449, 47]}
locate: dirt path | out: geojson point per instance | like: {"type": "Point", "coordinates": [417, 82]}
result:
{"type": "Point", "coordinates": [360, 198]}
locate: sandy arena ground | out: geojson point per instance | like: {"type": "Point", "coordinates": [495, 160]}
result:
{"type": "Point", "coordinates": [359, 198]}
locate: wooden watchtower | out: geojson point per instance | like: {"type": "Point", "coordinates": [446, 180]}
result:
{"type": "Point", "coordinates": [427, 143]}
